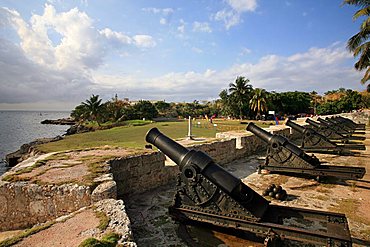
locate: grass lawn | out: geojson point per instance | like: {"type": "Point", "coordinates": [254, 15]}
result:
{"type": "Point", "coordinates": [134, 136]}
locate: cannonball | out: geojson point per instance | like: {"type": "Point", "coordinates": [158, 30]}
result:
{"type": "Point", "coordinates": [272, 194]}
{"type": "Point", "coordinates": [270, 187]}
{"type": "Point", "coordinates": [277, 189]}
{"type": "Point", "coordinates": [279, 196]}
{"type": "Point", "coordinates": [284, 195]}
{"type": "Point", "coordinates": [265, 192]}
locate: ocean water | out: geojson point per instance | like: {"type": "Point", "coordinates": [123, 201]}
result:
{"type": "Point", "coordinates": [19, 127]}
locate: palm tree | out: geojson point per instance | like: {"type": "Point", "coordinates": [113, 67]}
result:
{"type": "Point", "coordinates": [258, 101]}
{"type": "Point", "coordinates": [241, 91]}
{"type": "Point", "coordinates": [93, 107]}
{"type": "Point", "coordinates": [358, 43]}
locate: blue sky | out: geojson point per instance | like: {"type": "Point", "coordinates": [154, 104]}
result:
{"type": "Point", "coordinates": [55, 54]}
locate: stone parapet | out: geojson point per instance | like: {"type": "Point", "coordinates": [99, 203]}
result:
{"type": "Point", "coordinates": [135, 174]}
{"type": "Point", "coordinates": [24, 205]}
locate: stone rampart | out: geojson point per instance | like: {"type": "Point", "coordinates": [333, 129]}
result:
{"type": "Point", "coordinates": [135, 174]}
{"type": "Point", "coordinates": [24, 205]}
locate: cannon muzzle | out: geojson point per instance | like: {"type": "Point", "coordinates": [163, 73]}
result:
{"type": "Point", "coordinates": [259, 132]}
{"type": "Point", "coordinates": [324, 122]}
{"type": "Point", "coordinates": [295, 126]}
{"type": "Point", "coordinates": [172, 149]}
{"type": "Point", "coordinates": [313, 123]}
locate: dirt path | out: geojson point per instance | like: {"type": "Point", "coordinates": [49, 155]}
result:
{"type": "Point", "coordinates": [65, 234]}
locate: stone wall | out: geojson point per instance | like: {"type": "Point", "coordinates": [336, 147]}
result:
{"type": "Point", "coordinates": [135, 174]}
{"type": "Point", "coordinates": [24, 205]}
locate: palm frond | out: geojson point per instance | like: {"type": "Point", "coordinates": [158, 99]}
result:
{"type": "Point", "coordinates": [366, 76]}
{"type": "Point", "coordinates": [357, 39]}
{"type": "Point", "coordinates": [360, 3]}
{"type": "Point", "coordinates": [362, 12]}
{"type": "Point", "coordinates": [364, 60]}
{"type": "Point", "coordinates": [361, 49]}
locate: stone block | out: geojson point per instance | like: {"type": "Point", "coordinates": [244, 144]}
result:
{"type": "Point", "coordinates": [106, 190]}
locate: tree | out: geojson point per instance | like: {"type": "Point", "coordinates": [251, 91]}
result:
{"type": "Point", "coordinates": [258, 101]}
{"type": "Point", "coordinates": [115, 109]}
{"type": "Point", "coordinates": [348, 101]}
{"type": "Point", "coordinates": [315, 99]}
{"type": "Point", "coordinates": [241, 91]}
{"type": "Point", "coordinates": [358, 43]}
{"type": "Point", "coordinates": [79, 113]}
{"type": "Point", "coordinates": [145, 109]}
{"type": "Point", "coordinates": [93, 108]}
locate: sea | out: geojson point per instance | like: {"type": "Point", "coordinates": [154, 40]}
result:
{"type": "Point", "coordinates": [19, 127]}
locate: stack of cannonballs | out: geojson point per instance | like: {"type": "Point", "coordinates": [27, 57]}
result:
{"type": "Point", "coordinates": [276, 192]}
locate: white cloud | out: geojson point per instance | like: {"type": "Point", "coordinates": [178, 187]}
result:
{"type": "Point", "coordinates": [245, 51]}
{"type": "Point", "coordinates": [232, 16]}
{"type": "Point", "coordinates": [164, 11]}
{"type": "Point", "coordinates": [117, 37]}
{"type": "Point", "coordinates": [319, 69]}
{"type": "Point", "coordinates": [40, 69]}
{"type": "Point", "coordinates": [144, 41]}
{"type": "Point", "coordinates": [181, 27]}
{"type": "Point", "coordinates": [43, 68]}
{"type": "Point", "coordinates": [197, 50]}
{"type": "Point", "coordinates": [243, 5]}
{"type": "Point", "coordinates": [201, 27]}
{"type": "Point", "coordinates": [163, 21]}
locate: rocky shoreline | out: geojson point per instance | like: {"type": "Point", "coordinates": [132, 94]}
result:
{"type": "Point", "coordinates": [61, 121]}
{"type": "Point", "coordinates": [28, 149]}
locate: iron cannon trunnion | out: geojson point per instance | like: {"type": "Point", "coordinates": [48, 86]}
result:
{"type": "Point", "coordinates": [208, 194]}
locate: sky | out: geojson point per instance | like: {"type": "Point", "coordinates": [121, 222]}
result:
{"type": "Point", "coordinates": [55, 54]}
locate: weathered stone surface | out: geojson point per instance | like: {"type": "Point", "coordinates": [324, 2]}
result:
{"type": "Point", "coordinates": [24, 205]}
{"type": "Point", "coordinates": [119, 221]}
{"type": "Point", "coordinates": [105, 190]}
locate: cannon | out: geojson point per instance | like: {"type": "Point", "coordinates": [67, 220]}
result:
{"type": "Point", "coordinates": [285, 157]}
{"type": "Point", "coordinates": [340, 128]}
{"type": "Point", "coordinates": [315, 142]}
{"type": "Point", "coordinates": [347, 122]}
{"type": "Point", "coordinates": [330, 133]}
{"type": "Point", "coordinates": [208, 194]}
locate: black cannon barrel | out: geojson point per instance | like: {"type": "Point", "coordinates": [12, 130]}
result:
{"type": "Point", "coordinates": [185, 157]}
{"type": "Point", "coordinates": [295, 126]}
{"type": "Point", "coordinates": [172, 149]}
{"type": "Point", "coordinates": [259, 132]}
{"type": "Point", "coordinates": [313, 123]}
{"type": "Point", "coordinates": [323, 121]}
{"type": "Point", "coordinates": [332, 121]}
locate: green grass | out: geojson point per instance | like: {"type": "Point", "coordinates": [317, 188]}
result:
{"type": "Point", "coordinates": [108, 240]}
{"type": "Point", "coordinates": [133, 135]}
{"type": "Point", "coordinates": [26, 233]}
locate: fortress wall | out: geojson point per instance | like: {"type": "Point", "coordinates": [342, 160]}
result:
{"type": "Point", "coordinates": [24, 205]}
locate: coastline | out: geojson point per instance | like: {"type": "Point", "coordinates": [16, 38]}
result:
{"type": "Point", "coordinates": [24, 127]}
